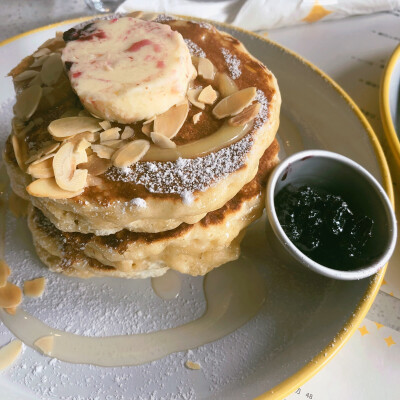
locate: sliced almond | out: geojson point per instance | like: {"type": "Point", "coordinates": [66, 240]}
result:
{"type": "Point", "coordinates": [90, 137]}
{"type": "Point", "coordinates": [44, 169]}
{"type": "Point", "coordinates": [247, 115]}
{"type": "Point", "coordinates": [18, 152]}
{"type": "Point", "coordinates": [206, 68]}
{"type": "Point", "coordinates": [45, 344]}
{"type": "Point", "coordinates": [105, 125]}
{"type": "Point", "coordinates": [69, 126]}
{"type": "Point", "coordinates": [51, 70]}
{"type": "Point", "coordinates": [10, 295]}
{"type": "Point", "coordinates": [208, 95]}
{"type": "Point", "coordinates": [147, 128]}
{"type": "Point", "coordinates": [47, 187]}
{"type": "Point", "coordinates": [42, 52]}
{"type": "Point", "coordinates": [103, 151]}
{"type": "Point", "coordinates": [39, 61]}
{"type": "Point", "coordinates": [93, 181]}
{"type": "Point", "coordinates": [96, 165]}
{"type": "Point", "coordinates": [47, 90]}
{"type": "Point", "coordinates": [27, 102]}
{"type": "Point", "coordinates": [196, 117]}
{"type": "Point", "coordinates": [115, 144]}
{"type": "Point", "coordinates": [11, 310]}
{"type": "Point", "coordinates": [9, 353]}
{"type": "Point", "coordinates": [43, 158]}
{"type": "Point", "coordinates": [65, 172]}
{"type": "Point", "coordinates": [162, 141]}
{"type": "Point", "coordinates": [169, 123]}
{"type": "Point", "coordinates": [51, 148]}
{"type": "Point", "coordinates": [149, 120]}
{"type": "Point", "coordinates": [127, 133]}
{"type": "Point", "coordinates": [17, 124]}
{"type": "Point", "coordinates": [34, 157]}
{"type": "Point", "coordinates": [130, 153]}
{"type": "Point", "coordinates": [109, 134]}
{"type": "Point", "coordinates": [34, 287]}
{"type": "Point", "coordinates": [23, 76]}
{"type": "Point", "coordinates": [192, 365]}
{"type": "Point", "coordinates": [226, 85]}
{"type": "Point", "coordinates": [37, 80]}
{"type": "Point", "coordinates": [4, 273]}
{"type": "Point", "coordinates": [193, 97]}
{"type": "Point", "coordinates": [80, 151]}
{"type": "Point", "coordinates": [234, 103]}
{"type": "Point", "coordinates": [48, 43]}
{"type": "Point", "coordinates": [26, 129]}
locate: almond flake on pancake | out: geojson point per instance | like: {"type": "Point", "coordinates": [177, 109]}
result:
{"type": "Point", "coordinates": [162, 141]}
{"type": "Point", "coordinates": [25, 75]}
{"type": "Point", "coordinates": [69, 126]}
{"type": "Point", "coordinates": [196, 117]}
{"type": "Point", "coordinates": [130, 153]}
{"type": "Point", "coordinates": [109, 134]}
{"type": "Point", "coordinates": [225, 84]}
{"type": "Point", "coordinates": [234, 103]}
{"type": "Point", "coordinates": [27, 102]}
{"type": "Point", "coordinates": [127, 133]}
{"type": "Point", "coordinates": [245, 116]}
{"type": "Point", "coordinates": [208, 95]}
{"type": "Point", "coordinates": [206, 69]}
{"type": "Point", "coordinates": [47, 187]}
{"type": "Point", "coordinates": [193, 96]}
{"type": "Point", "coordinates": [169, 123]}
{"type": "Point", "coordinates": [103, 151]}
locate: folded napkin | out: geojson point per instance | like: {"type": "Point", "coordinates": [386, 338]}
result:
{"type": "Point", "coordinates": [263, 14]}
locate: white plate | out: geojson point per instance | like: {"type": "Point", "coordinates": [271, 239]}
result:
{"type": "Point", "coordinates": [301, 325]}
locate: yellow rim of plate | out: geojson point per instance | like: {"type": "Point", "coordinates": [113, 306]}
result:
{"type": "Point", "coordinates": [384, 105]}
{"type": "Point", "coordinates": [290, 384]}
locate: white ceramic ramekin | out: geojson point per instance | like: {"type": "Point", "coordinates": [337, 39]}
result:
{"type": "Point", "coordinates": [342, 176]}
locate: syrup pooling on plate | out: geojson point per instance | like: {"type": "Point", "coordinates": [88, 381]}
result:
{"type": "Point", "coordinates": [167, 286]}
{"type": "Point", "coordinates": [234, 294]}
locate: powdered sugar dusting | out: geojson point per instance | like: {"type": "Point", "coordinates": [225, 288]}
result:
{"type": "Point", "coordinates": [164, 18]}
{"type": "Point", "coordinates": [187, 197]}
{"type": "Point", "coordinates": [138, 202]}
{"type": "Point", "coordinates": [194, 49]}
{"type": "Point", "coordinates": [233, 63]}
{"type": "Point", "coordinates": [262, 116]}
{"type": "Point", "coordinates": [186, 175]}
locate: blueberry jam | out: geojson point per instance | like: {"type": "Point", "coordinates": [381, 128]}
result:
{"type": "Point", "coordinates": [323, 227]}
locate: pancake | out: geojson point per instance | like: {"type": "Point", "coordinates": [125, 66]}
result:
{"type": "Point", "coordinates": [192, 249]}
{"type": "Point", "coordinates": [154, 194]}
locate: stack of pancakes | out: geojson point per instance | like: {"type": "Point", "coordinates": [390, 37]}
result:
{"type": "Point", "coordinates": [117, 192]}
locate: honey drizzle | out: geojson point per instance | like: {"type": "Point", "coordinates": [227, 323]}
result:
{"type": "Point", "coordinates": [234, 294]}
{"type": "Point", "coordinates": [223, 137]}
